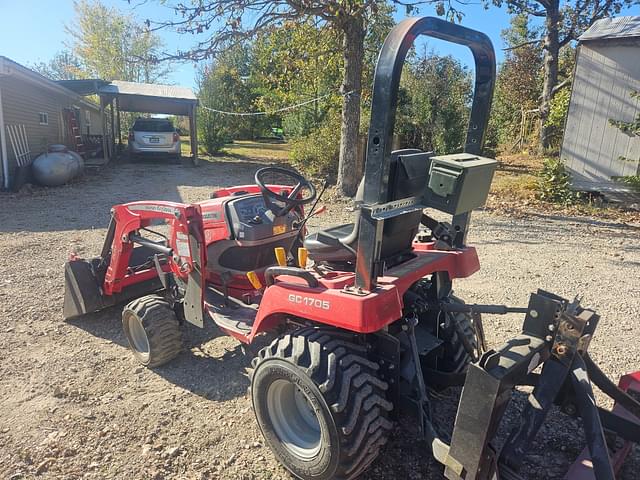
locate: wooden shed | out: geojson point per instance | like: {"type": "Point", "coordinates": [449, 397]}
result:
{"type": "Point", "coordinates": [595, 151]}
{"type": "Point", "coordinates": [43, 107]}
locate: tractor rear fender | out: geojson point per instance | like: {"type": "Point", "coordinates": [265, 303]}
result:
{"type": "Point", "coordinates": [335, 307]}
{"type": "Point", "coordinates": [335, 302]}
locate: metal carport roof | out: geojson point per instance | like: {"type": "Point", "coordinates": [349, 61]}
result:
{"type": "Point", "coordinates": [123, 96]}
{"type": "Point", "coordinates": [150, 98]}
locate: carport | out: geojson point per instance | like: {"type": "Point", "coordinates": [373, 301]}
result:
{"type": "Point", "coordinates": [122, 96]}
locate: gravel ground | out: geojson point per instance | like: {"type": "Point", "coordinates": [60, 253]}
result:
{"type": "Point", "coordinates": [74, 404]}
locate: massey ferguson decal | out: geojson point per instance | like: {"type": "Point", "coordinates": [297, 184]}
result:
{"type": "Point", "coordinates": [154, 208]}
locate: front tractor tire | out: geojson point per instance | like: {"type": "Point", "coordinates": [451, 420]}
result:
{"type": "Point", "coordinates": [320, 404]}
{"type": "Point", "coordinates": [153, 330]}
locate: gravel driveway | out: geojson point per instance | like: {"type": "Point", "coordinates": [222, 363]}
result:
{"type": "Point", "coordinates": [74, 404]}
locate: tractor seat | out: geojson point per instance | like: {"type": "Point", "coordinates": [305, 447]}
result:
{"type": "Point", "coordinates": [334, 244]}
{"type": "Point", "coordinates": [409, 173]}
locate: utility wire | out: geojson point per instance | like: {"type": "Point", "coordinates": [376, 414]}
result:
{"type": "Point", "coordinates": [290, 107]}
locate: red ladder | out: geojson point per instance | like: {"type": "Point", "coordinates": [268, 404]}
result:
{"type": "Point", "coordinates": [74, 131]}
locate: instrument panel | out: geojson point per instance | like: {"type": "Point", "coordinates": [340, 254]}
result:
{"type": "Point", "coordinates": [250, 207]}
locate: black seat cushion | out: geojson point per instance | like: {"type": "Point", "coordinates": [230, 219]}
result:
{"type": "Point", "coordinates": [325, 246]}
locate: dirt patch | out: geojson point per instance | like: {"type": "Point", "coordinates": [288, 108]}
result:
{"type": "Point", "coordinates": [515, 187]}
{"type": "Point", "coordinates": [74, 404]}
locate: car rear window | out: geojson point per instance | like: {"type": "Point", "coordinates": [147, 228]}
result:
{"type": "Point", "coordinates": [153, 126]}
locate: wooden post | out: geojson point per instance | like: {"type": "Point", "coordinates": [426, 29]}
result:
{"type": "Point", "coordinates": [112, 138]}
{"type": "Point", "coordinates": [193, 135]}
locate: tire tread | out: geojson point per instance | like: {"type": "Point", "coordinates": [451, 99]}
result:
{"type": "Point", "coordinates": [161, 325]}
{"type": "Point", "coordinates": [355, 394]}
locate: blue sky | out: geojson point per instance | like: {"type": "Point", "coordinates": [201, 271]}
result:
{"type": "Point", "coordinates": [33, 30]}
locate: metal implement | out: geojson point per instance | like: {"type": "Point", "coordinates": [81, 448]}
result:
{"type": "Point", "coordinates": [556, 335]}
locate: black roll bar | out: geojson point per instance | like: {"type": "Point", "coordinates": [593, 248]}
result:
{"type": "Point", "coordinates": [383, 113]}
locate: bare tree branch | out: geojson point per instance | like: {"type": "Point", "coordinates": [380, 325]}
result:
{"type": "Point", "coordinates": [524, 44]}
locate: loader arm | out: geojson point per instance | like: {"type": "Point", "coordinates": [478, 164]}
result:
{"type": "Point", "coordinates": [91, 285]}
{"type": "Point", "coordinates": [185, 222]}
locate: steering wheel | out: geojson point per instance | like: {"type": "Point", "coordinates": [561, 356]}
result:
{"type": "Point", "coordinates": [290, 201]}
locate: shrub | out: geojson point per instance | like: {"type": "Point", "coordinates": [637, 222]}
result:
{"type": "Point", "coordinates": [557, 115]}
{"type": "Point", "coordinates": [633, 181]}
{"type": "Point", "coordinates": [554, 185]}
{"type": "Point", "coordinates": [213, 134]}
{"type": "Point", "coordinates": [318, 152]}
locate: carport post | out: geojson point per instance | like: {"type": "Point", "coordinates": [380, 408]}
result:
{"type": "Point", "coordinates": [113, 129]}
{"type": "Point", "coordinates": [193, 134]}
{"type": "Point", "coordinates": [103, 112]}
{"type": "Point", "coordinates": [118, 125]}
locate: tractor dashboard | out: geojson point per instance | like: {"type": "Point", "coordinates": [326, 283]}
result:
{"type": "Point", "coordinates": [250, 219]}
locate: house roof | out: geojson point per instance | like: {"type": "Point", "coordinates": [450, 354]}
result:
{"type": "Point", "coordinates": [10, 67]}
{"type": "Point", "coordinates": [83, 86]}
{"type": "Point", "coordinates": [615, 27]}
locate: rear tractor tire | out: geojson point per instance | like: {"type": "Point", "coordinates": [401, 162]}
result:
{"type": "Point", "coordinates": [320, 404]}
{"type": "Point", "coordinates": [153, 330]}
{"type": "Point", "coordinates": [459, 336]}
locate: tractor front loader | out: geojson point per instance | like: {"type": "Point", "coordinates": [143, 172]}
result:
{"type": "Point", "coordinates": [362, 316]}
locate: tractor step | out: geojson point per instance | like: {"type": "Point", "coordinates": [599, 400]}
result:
{"type": "Point", "coordinates": [230, 314]}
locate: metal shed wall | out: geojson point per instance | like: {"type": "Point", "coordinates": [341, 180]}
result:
{"type": "Point", "coordinates": [607, 71]}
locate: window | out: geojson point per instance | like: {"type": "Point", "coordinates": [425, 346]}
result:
{"type": "Point", "coordinates": [87, 117]}
{"type": "Point", "coordinates": [43, 118]}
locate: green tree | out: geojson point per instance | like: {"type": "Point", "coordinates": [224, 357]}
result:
{"type": "Point", "coordinates": [564, 22]}
{"type": "Point", "coordinates": [434, 103]}
{"type": "Point", "coordinates": [224, 84]}
{"type": "Point", "coordinates": [299, 61]}
{"type": "Point", "coordinates": [114, 46]}
{"type": "Point", "coordinates": [63, 66]}
{"type": "Point", "coordinates": [244, 19]}
{"type": "Point", "coordinates": [519, 82]}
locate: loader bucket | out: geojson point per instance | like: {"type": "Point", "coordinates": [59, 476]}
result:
{"type": "Point", "coordinates": [82, 293]}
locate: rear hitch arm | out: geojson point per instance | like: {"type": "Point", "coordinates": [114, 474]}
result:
{"type": "Point", "coordinates": [472, 308]}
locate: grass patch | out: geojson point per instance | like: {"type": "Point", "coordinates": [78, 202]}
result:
{"type": "Point", "coordinates": [515, 180]}
{"type": "Point", "coordinates": [261, 151]}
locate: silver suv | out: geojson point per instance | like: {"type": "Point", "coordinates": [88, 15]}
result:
{"type": "Point", "coordinates": [154, 136]}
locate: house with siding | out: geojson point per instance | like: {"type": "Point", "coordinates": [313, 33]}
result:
{"type": "Point", "coordinates": [596, 152]}
{"type": "Point", "coordinates": [45, 108]}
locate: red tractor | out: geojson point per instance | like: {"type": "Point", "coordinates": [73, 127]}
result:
{"type": "Point", "coordinates": [362, 315]}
